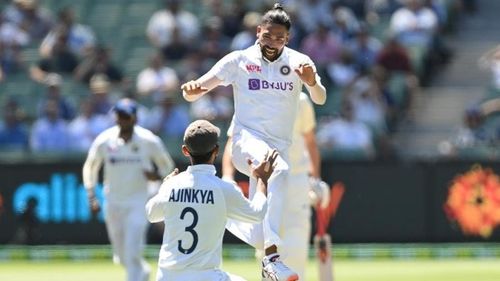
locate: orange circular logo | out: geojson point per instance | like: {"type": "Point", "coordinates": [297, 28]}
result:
{"type": "Point", "coordinates": [474, 201]}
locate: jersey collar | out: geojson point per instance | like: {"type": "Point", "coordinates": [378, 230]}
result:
{"type": "Point", "coordinates": [202, 168]}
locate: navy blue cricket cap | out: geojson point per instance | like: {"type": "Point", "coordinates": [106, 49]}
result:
{"type": "Point", "coordinates": [126, 106]}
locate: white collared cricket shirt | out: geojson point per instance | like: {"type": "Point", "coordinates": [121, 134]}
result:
{"type": "Point", "coordinates": [195, 206]}
{"type": "Point", "coordinates": [266, 93]}
{"type": "Point", "coordinates": [125, 163]}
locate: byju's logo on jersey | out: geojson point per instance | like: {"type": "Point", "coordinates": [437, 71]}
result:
{"type": "Point", "coordinates": [257, 84]}
{"type": "Point", "coordinates": [254, 84]}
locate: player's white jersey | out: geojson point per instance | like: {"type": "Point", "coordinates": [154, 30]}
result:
{"type": "Point", "coordinates": [305, 122]}
{"type": "Point", "coordinates": [195, 206]}
{"type": "Point", "coordinates": [125, 163]}
{"type": "Point", "coordinates": [265, 93]}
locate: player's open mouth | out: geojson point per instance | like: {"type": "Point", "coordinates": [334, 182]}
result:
{"type": "Point", "coordinates": [269, 52]}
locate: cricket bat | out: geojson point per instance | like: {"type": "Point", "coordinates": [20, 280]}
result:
{"type": "Point", "coordinates": [322, 241]}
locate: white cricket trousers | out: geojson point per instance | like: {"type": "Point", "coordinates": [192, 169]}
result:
{"type": "Point", "coordinates": [196, 275]}
{"type": "Point", "coordinates": [127, 225]}
{"type": "Point", "coordinates": [296, 225]}
{"type": "Point", "coordinates": [261, 236]}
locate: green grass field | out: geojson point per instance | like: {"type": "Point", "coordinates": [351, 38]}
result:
{"type": "Point", "coordinates": [345, 270]}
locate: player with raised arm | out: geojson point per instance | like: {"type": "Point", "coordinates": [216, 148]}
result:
{"type": "Point", "coordinates": [128, 153]}
{"type": "Point", "coordinates": [195, 206]}
{"type": "Point", "coordinates": [267, 79]}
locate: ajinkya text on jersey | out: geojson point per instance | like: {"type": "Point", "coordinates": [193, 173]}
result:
{"type": "Point", "coordinates": [190, 195]}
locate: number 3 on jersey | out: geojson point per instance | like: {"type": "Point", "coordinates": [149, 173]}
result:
{"type": "Point", "coordinates": [189, 229]}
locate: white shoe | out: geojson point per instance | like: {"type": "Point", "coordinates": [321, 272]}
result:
{"type": "Point", "coordinates": [275, 270]}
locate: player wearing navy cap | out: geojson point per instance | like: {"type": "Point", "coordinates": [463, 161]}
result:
{"type": "Point", "coordinates": [127, 152]}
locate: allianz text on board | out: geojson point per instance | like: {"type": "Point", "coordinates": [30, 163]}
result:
{"type": "Point", "coordinates": [62, 200]}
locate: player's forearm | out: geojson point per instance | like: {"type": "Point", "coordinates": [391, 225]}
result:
{"type": "Point", "coordinates": [317, 92]}
{"type": "Point", "coordinates": [254, 212]}
{"type": "Point", "coordinates": [314, 155]}
{"type": "Point", "coordinates": [90, 173]}
{"type": "Point", "coordinates": [154, 210]}
{"type": "Point", "coordinates": [165, 165]}
{"type": "Point", "coordinates": [228, 170]}
{"type": "Point", "coordinates": [208, 81]}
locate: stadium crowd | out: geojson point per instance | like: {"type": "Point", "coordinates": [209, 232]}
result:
{"type": "Point", "coordinates": [373, 54]}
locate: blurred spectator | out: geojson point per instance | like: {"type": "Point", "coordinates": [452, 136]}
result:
{"type": "Point", "coordinates": [101, 98]}
{"type": "Point", "coordinates": [86, 126]}
{"type": "Point", "coordinates": [157, 79]}
{"type": "Point", "coordinates": [394, 58]}
{"type": "Point", "coordinates": [99, 62]}
{"type": "Point", "coordinates": [54, 81]}
{"type": "Point", "coordinates": [216, 107]}
{"type": "Point", "coordinates": [192, 66]}
{"type": "Point", "coordinates": [50, 132]}
{"type": "Point", "coordinates": [322, 46]}
{"type": "Point", "coordinates": [310, 13]}
{"type": "Point", "coordinates": [28, 16]}
{"type": "Point", "coordinates": [12, 40]}
{"type": "Point", "coordinates": [356, 6]}
{"type": "Point", "coordinates": [346, 133]}
{"type": "Point", "coordinates": [168, 119]}
{"type": "Point", "coordinates": [394, 106]}
{"type": "Point", "coordinates": [13, 130]}
{"type": "Point", "coordinates": [472, 132]}
{"type": "Point", "coordinates": [474, 136]}
{"type": "Point", "coordinates": [246, 37]}
{"type": "Point", "coordinates": [231, 14]}
{"type": "Point", "coordinates": [440, 9]}
{"type": "Point", "coordinates": [61, 60]}
{"type": "Point", "coordinates": [214, 44]}
{"type": "Point", "coordinates": [378, 10]}
{"type": "Point", "coordinates": [80, 39]}
{"type": "Point", "coordinates": [414, 24]}
{"type": "Point", "coordinates": [164, 22]}
{"type": "Point", "coordinates": [365, 49]}
{"type": "Point", "coordinates": [342, 21]}
{"type": "Point", "coordinates": [344, 71]}
{"type": "Point", "coordinates": [178, 48]}
{"type": "Point", "coordinates": [491, 62]}
{"type": "Point", "coordinates": [368, 104]}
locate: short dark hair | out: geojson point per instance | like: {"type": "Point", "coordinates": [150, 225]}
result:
{"type": "Point", "coordinates": [203, 158]}
{"type": "Point", "coordinates": [277, 15]}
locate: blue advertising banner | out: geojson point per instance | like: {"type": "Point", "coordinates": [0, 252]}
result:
{"type": "Point", "coordinates": [45, 203]}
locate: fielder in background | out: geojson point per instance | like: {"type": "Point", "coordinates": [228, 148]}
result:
{"type": "Point", "coordinates": [132, 156]}
{"type": "Point", "coordinates": [267, 79]}
{"type": "Point", "coordinates": [195, 206]}
{"type": "Point", "coordinates": [304, 189]}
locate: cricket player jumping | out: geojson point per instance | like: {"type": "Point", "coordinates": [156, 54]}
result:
{"type": "Point", "coordinates": [267, 79]}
